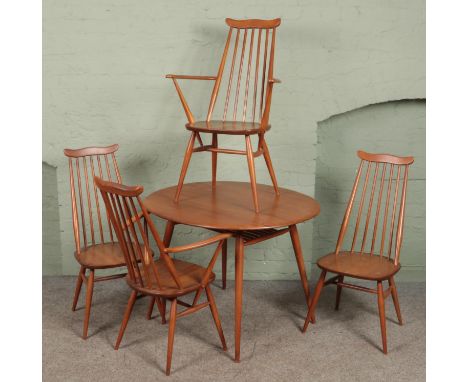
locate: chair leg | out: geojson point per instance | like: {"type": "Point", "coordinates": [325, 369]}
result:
{"type": "Point", "coordinates": [185, 164]}
{"type": "Point", "coordinates": [396, 303]}
{"type": "Point", "coordinates": [128, 312]}
{"type": "Point", "coordinates": [161, 308]}
{"type": "Point", "coordinates": [170, 337]}
{"type": "Point", "coordinates": [381, 302]}
{"type": "Point", "coordinates": [214, 313]}
{"type": "Point", "coordinates": [266, 155]}
{"type": "Point", "coordinates": [253, 181]}
{"type": "Point", "coordinates": [315, 298]}
{"type": "Point", "coordinates": [149, 313]}
{"type": "Point", "coordinates": [214, 160]}
{"type": "Point", "coordinates": [163, 311]}
{"type": "Point", "coordinates": [224, 263]}
{"type": "Point", "coordinates": [89, 299]}
{"type": "Point", "coordinates": [338, 293]}
{"type": "Point", "coordinates": [79, 283]}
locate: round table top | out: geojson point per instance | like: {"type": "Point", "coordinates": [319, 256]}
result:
{"type": "Point", "coordinates": [230, 206]}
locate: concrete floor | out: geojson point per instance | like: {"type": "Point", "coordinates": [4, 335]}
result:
{"type": "Point", "coordinates": [343, 345]}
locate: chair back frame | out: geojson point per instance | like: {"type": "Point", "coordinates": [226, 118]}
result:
{"type": "Point", "coordinates": [122, 204]}
{"type": "Point", "coordinates": [252, 31]}
{"type": "Point", "coordinates": [84, 195]}
{"type": "Point", "coordinates": [384, 168]}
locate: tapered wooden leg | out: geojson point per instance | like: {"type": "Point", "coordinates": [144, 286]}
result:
{"type": "Point", "coordinates": [149, 313]}
{"type": "Point", "coordinates": [383, 325]}
{"type": "Point", "coordinates": [396, 303]}
{"type": "Point", "coordinates": [239, 264]}
{"type": "Point", "coordinates": [315, 298]}
{"type": "Point", "coordinates": [170, 337]}
{"type": "Point", "coordinates": [266, 155]}
{"type": "Point", "coordinates": [128, 312]}
{"type": "Point", "coordinates": [214, 160]}
{"type": "Point", "coordinates": [300, 260]}
{"type": "Point", "coordinates": [89, 299]}
{"type": "Point", "coordinates": [163, 311]}
{"type": "Point", "coordinates": [168, 232]}
{"type": "Point", "coordinates": [214, 313]}
{"type": "Point", "coordinates": [185, 164]}
{"type": "Point", "coordinates": [79, 283]}
{"type": "Point", "coordinates": [224, 263]}
{"type": "Point", "coordinates": [338, 293]}
{"type": "Point", "coordinates": [253, 181]}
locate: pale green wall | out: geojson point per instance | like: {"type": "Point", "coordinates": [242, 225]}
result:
{"type": "Point", "coordinates": [51, 250]}
{"type": "Point", "coordinates": [104, 66]}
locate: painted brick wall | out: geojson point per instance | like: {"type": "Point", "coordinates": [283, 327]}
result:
{"type": "Point", "coordinates": [104, 66]}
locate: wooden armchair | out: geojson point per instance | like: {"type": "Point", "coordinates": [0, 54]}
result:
{"type": "Point", "coordinates": [165, 278]}
{"type": "Point", "coordinates": [380, 260]}
{"type": "Point", "coordinates": [246, 109]}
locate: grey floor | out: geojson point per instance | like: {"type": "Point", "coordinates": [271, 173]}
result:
{"type": "Point", "coordinates": [343, 345]}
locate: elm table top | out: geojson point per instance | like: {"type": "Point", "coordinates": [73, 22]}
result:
{"type": "Point", "coordinates": [229, 206]}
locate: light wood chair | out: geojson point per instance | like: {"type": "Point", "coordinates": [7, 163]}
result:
{"type": "Point", "coordinates": [165, 278]}
{"type": "Point", "coordinates": [95, 245]}
{"type": "Point", "coordinates": [251, 47]}
{"type": "Point", "coordinates": [380, 260]}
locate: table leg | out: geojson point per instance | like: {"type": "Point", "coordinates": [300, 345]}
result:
{"type": "Point", "coordinates": [300, 260]}
{"type": "Point", "coordinates": [239, 265]}
{"type": "Point", "coordinates": [168, 233]}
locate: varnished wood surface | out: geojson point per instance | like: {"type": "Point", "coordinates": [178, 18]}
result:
{"type": "Point", "coordinates": [226, 127]}
{"type": "Point", "coordinates": [360, 266]}
{"type": "Point", "coordinates": [101, 256]}
{"type": "Point", "coordinates": [190, 276]}
{"type": "Point", "coordinates": [229, 206]}
{"type": "Point", "coordinates": [378, 261]}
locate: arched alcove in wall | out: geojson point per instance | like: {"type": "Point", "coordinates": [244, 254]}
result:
{"type": "Point", "coordinates": [396, 127]}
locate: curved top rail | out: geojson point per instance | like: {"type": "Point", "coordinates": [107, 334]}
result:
{"type": "Point", "coordinates": [117, 188]}
{"type": "Point", "coordinates": [86, 151]}
{"type": "Point", "coordinates": [387, 158]}
{"type": "Point", "coordinates": [253, 23]}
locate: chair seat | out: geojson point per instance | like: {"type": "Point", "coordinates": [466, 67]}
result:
{"type": "Point", "coordinates": [226, 127]}
{"type": "Point", "coordinates": [190, 276]}
{"type": "Point", "coordinates": [360, 266]}
{"type": "Point", "coordinates": [101, 256]}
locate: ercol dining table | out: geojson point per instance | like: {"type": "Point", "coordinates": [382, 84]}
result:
{"type": "Point", "coordinates": [227, 207]}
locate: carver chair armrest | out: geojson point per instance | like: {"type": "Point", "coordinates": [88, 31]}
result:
{"type": "Point", "coordinates": [189, 77]}
{"type": "Point", "coordinates": [198, 244]}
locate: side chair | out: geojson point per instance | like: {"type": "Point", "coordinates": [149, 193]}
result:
{"type": "Point", "coordinates": [248, 86]}
{"type": "Point", "coordinates": [166, 277]}
{"type": "Point", "coordinates": [95, 245]}
{"type": "Point", "coordinates": [379, 260]}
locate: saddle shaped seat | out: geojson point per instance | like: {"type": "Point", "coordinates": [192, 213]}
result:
{"type": "Point", "coordinates": [226, 127]}
{"type": "Point", "coordinates": [353, 264]}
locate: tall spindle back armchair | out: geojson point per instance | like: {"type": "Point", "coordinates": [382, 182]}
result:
{"type": "Point", "coordinates": [371, 235]}
{"type": "Point", "coordinates": [242, 94]}
{"type": "Point", "coordinates": [165, 278]}
{"type": "Point", "coordinates": [96, 246]}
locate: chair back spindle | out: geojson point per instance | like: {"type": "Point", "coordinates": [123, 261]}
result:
{"type": "Point", "coordinates": [248, 87]}
{"type": "Point", "coordinates": [84, 165]}
{"type": "Point", "coordinates": [388, 175]}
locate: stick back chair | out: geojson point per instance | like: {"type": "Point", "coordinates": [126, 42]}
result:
{"type": "Point", "coordinates": [166, 277]}
{"type": "Point", "coordinates": [95, 244]}
{"type": "Point", "coordinates": [375, 243]}
{"type": "Point", "coordinates": [248, 89]}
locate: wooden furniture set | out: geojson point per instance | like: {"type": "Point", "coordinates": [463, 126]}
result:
{"type": "Point", "coordinates": [119, 234]}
